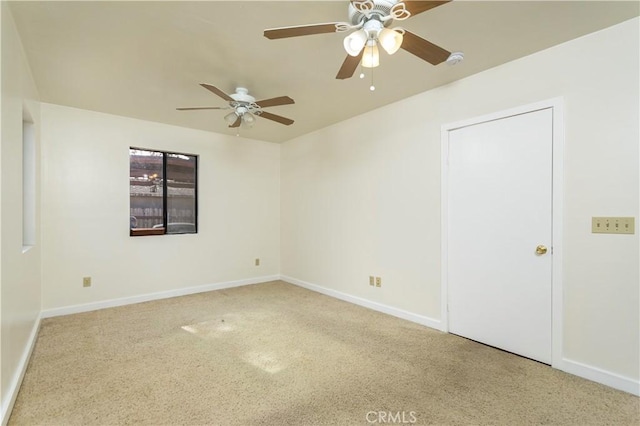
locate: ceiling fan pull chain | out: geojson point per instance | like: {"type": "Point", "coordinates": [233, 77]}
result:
{"type": "Point", "coordinates": [372, 87]}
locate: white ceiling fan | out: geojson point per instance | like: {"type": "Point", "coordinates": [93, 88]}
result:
{"type": "Point", "coordinates": [245, 107]}
{"type": "Point", "coordinates": [372, 20]}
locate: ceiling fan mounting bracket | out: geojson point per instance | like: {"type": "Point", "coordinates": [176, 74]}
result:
{"type": "Point", "coordinates": [242, 95]}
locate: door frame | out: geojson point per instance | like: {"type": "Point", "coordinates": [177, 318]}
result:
{"type": "Point", "coordinates": [556, 106]}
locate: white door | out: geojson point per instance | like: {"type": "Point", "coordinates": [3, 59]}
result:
{"type": "Point", "coordinates": [499, 212]}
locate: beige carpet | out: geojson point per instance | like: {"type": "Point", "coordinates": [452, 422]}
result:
{"type": "Point", "coordinates": [276, 354]}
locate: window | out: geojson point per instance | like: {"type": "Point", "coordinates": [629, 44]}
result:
{"type": "Point", "coordinates": [163, 193]}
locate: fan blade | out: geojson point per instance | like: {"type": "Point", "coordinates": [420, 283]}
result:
{"type": "Point", "coordinates": [424, 49]}
{"type": "Point", "coordinates": [349, 66]}
{"type": "Point", "coordinates": [194, 108]}
{"type": "Point", "coordinates": [281, 100]}
{"type": "Point", "coordinates": [278, 118]}
{"type": "Point", "coordinates": [415, 7]}
{"type": "Point", "coordinates": [236, 123]}
{"type": "Point", "coordinates": [301, 30]}
{"type": "Point", "coordinates": [217, 92]}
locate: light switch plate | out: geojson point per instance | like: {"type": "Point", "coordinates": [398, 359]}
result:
{"type": "Point", "coordinates": [613, 225]}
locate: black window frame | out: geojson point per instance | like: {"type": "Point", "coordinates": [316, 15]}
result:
{"type": "Point", "coordinates": [138, 232]}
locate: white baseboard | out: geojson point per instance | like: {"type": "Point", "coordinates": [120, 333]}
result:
{"type": "Point", "coordinates": [10, 398]}
{"type": "Point", "coordinates": [111, 303]}
{"type": "Point", "coordinates": [389, 310]}
{"type": "Point", "coordinates": [598, 375]}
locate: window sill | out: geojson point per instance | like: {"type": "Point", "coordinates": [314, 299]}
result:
{"type": "Point", "coordinates": [139, 232]}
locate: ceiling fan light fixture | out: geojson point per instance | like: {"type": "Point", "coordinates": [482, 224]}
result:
{"type": "Point", "coordinates": [371, 56]}
{"type": "Point", "coordinates": [390, 40]}
{"type": "Point", "coordinates": [354, 42]}
{"type": "Point", "coordinates": [231, 117]}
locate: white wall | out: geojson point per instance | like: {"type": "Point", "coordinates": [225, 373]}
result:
{"type": "Point", "coordinates": [19, 271]}
{"type": "Point", "coordinates": [362, 197]}
{"type": "Point", "coordinates": [86, 210]}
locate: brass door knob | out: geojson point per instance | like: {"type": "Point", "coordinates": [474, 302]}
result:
{"type": "Point", "coordinates": [541, 249]}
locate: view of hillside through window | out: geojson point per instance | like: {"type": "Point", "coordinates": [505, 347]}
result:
{"type": "Point", "coordinates": [163, 192]}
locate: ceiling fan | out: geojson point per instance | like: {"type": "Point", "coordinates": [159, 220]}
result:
{"type": "Point", "coordinates": [245, 107]}
{"type": "Point", "coordinates": [371, 19]}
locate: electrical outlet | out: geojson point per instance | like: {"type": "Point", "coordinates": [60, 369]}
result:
{"type": "Point", "coordinates": [372, 280]}
{"type": "Point", "coordinates": [86, 282]}
{"type": "Point", "coordinates": [378, 282]}
{"type": "Point", "coordinates": [257, 262]}
{"type": "Point", "coordinates": [613, 225]}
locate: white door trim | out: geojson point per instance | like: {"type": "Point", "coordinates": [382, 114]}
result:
{"type": "Point", "coordinates": [556, 105]}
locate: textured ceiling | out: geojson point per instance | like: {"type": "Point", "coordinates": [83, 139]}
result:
{"type": "Point", "coordinates": [144, 59]}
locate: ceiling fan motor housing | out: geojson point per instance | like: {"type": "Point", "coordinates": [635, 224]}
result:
{"type": "Point", "coordinates": [381, 8]}
{"type": "Point", "coordinates": [244, 103]}
{"type": "Point", "coordinates": [242, 95]}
